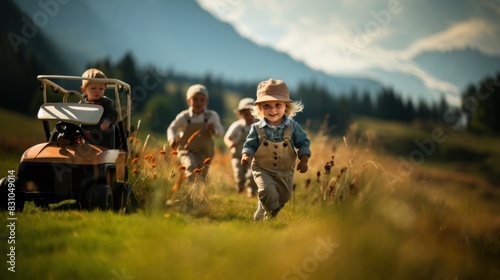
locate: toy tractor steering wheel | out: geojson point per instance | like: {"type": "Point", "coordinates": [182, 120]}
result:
{"type": "Point", "coordinates": [69, 130]}
{"type": "Point", "coordinates": [73, 92]}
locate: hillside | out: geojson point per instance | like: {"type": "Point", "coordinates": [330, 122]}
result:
{"type": "Point", "coordinates": [431, 145]}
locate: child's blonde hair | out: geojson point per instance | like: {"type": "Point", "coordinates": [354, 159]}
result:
{"type": "Point", "coordinates": [292, 108]}
{"type": "Point", "coordinates": [91, 73]}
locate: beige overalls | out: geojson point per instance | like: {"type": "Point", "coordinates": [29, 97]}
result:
{"type": "Point", "coordinates": [273, 170]}
{"type": "Point", "coordinates": [192, 151]}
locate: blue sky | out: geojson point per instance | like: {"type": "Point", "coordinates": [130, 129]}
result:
{"type": "Point", "coordinates": [356, 37]}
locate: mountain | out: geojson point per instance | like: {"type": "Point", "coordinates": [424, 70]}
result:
{"type": "Point", "coordinates": [25, 52]}
{"type": "Point", "coordinates": [448, 66]}
{"type": "Point", "coordinates": [176, 35]}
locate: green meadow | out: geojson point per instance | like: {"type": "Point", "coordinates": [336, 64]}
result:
{"type": "Point", "coordinates": [360, 212]}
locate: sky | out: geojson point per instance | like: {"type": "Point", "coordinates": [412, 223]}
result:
{"type": "Point", "coordinates": [356, 37]}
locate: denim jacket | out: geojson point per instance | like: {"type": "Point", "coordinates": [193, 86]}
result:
{"type": "Point", "coordinates": [275, 134]}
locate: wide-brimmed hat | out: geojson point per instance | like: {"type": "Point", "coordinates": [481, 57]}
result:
{"type": "Point", "coordinates": [192, 90]}
{"type": "Point", "coordinates": [245, 103]}
{"type": "Point", "coordinates": [272, 90]}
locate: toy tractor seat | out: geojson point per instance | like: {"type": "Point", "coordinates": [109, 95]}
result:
{"type": "Point", "coordinates": [94, 135]}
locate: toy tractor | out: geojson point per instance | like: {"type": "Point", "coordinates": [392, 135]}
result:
{"type": "Point", "coordinates": [77, 162]}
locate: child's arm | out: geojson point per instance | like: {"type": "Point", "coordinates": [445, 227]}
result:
{"type": "Point", "coordinates": [250, 146]}
{"type": "Point", "coordinates": [110, 113]}
{"type": "Point", "coordinates": [229, 142]}
{"type": "Point", "coordinates": [215, 126]}
{"type": "Point", "coordinates": [302, 143]}
{"type": "Point", "coordinates": [178, 124]}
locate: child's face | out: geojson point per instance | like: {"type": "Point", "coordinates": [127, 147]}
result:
{"type": "Point", "coordinates": [273, 111]}
{"type": "Point", "coordinates": [247, 116]}
{"type": "Point", "coordinates": [198, 102]}
{"type": "Point", "coordinates": [94, 91]}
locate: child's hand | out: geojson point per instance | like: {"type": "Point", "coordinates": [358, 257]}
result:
{"type": "Point", "coordinates": [105, 125]}
{"type": "Point", "coordinates": [302, 166]}
{"type": "Point", "coordinates": [245, 159]}
{"type": "Point", "coordinates": [210, 127]}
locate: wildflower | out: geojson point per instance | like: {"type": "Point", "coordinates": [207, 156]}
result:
{"type": "Point", "coordinates": [206, 161]}
{"type": "Point", "coordinates": [154, 176]}
{"type": "Point", "coordinates": [342, 171]}
{"type": "Point", "coordinates": [162, 152]}
{"type": "Point", "coordinates": [329, 165]}
{"type": "Point", "coordinates": [308, 182]}
{"type": "Point", "coordinates": [135, 160]}
{"type": "Point", "coordinates": [182, 167]}
{"type": "Point", "coordinates": [174, 152]}
{"type": "Point", "coordinates": [198, 170]}
{"type": "Point", "coordinates": [179, 180]}
{"type": "Point", "coordinates": [153, 165]}
{"type": "Point", "coordinates": [134, 171]}
{"type": "Point", "coordinates": [191, 138]}
{"type": "Point", "coordinates": [147, 156]}
{"type": "Point", "coordinates": [176, 187]}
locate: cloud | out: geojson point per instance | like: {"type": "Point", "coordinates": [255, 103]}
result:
{"type": "Point", "coordinates": [354, 37]}
{"type": "Point", "coordinates": [476, 33]}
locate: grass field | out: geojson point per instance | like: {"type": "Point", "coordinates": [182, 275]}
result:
{"type": "Point", "coordinates": [361, 219]}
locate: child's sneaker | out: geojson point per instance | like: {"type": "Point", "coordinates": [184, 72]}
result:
{"type": "Point", "coordinates": [260, 214]}
{"type": "Point", "coordinates": [272, 214]}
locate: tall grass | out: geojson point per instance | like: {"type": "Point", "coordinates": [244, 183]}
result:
{"type": "Point", "coordinates": [352, 216]}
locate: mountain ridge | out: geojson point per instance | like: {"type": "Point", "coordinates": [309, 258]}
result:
{"type": "Point", "coordinates": [166, 35]}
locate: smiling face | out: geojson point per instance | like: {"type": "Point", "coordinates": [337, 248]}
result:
{"type": "Point", "coordinates": [198, 102]}
{"type": "Point", "coordinates": [94, 91]}
{"type": "Point", "coordinates": [273, 112]}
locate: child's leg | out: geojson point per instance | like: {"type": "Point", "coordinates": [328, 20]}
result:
{"type": "Point", "coordinates": [238, 175]}
{"type": "Point", "coordinates": [268, 194]}
{"type": "Point", "coordinates": [250, 182]}
{"type": "Point", "coordinates": [191, 162]}
{"type": "Point", "coordinates": [284, 187]}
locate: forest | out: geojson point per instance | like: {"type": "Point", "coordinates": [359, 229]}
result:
{"type": "Point", "coordinates": [158, 95]}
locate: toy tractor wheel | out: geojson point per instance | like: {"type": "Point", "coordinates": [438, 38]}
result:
{"type": "Point", "coordinates": [10, 200]}
{"type": "Point", "coordinates": [99, 197]}
{"type": "Point", "coordinates": [122, 198]}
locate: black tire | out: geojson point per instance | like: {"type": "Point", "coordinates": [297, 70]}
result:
{"type": "Point", "coordinates": [3, 194]}
{"type": "Point", "coordinates": [122, 198]}
{"type": "Point", "coordinates": [86, 200]}
{"type": "Point", "coordinates": [99, 197]}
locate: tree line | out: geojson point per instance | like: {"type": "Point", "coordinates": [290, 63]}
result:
{"type": "Point", "coordinates": [160, 94]}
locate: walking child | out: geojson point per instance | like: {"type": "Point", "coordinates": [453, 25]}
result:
{"type": "Point", "coordinates": [234, 139]}
{"type": "Point", "coordinates": [192, 133]}
{"type": "Point", "coordinates": [270, 147]}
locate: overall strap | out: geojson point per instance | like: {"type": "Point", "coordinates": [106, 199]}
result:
{"type": "Point", "coordinates": [187, 117]}
{"type": "Point", "coordinates": [287, 134]}
{"type": "Point", "coordinates": [262, 134]}
{"type": "Point", "coordinates": [207, 115]}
